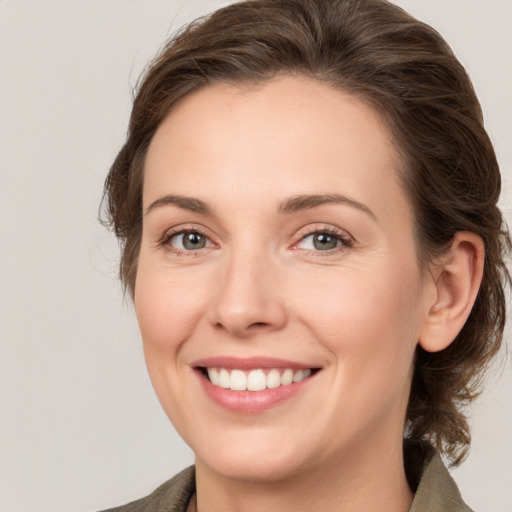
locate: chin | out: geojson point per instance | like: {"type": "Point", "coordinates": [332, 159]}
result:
{"type": "Point", "coordinates": [252, 460]}
{"type": "Point", "coordinates": [256, 470]}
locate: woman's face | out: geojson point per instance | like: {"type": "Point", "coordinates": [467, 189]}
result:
{"type": "Point", "coordinates": [277, 244]}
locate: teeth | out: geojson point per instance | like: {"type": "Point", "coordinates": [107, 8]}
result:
{"type": "Point", "coordinates": [273, 379]}
{"type": "Point", "coordinates": [238, 381]}
{"type": "Point", "coordinates": [213, 375]}
{"type": "Point", "coordinates": [255, 380]}
{"type": "Point", "coordinates": [287, 377]}
{"type": "Point", "coordinates": [301, 375]}
{"type": "Point", "coordinates": [224, 379]}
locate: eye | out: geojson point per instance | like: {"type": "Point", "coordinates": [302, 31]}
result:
{"type": "Point", "coordinates": [323, 240]}
{"type": "Point", "coordinates": [189, 241]}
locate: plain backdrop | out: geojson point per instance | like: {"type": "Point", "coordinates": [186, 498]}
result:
{"type": "Point", "coordinates": [80, 427]}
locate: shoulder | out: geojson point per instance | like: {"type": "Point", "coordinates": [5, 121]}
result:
{"type": "Point", "coordinates": [436, 490]}
{"type": "Point", "coordinates": [172, 496]}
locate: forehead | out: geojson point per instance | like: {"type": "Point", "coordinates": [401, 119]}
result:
{"type": "Point", "coordinates": [290, 135]}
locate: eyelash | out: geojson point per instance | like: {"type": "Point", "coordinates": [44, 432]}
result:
{"type": "Point", "coordinates": [346, 242]}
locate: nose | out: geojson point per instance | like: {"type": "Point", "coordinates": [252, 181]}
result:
{"type": "Point", "coordinates": [249, 297]}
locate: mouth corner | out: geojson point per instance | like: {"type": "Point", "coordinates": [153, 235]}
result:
{"type": "Point", "coordinates": [203, 370]}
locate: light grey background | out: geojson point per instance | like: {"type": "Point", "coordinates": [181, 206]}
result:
{"type": "Point", "coordinates": [80, 428]}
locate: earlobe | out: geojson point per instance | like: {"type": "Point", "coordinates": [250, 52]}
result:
{"type": "Point", "coordinates": [457, 280]}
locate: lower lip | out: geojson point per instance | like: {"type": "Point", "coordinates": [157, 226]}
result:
{"type": "Point", "coordinates": [250, 402]}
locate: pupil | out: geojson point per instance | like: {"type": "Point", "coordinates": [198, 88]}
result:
{"type": "Point", "coordinates": [324, 242]}
{"type": "Point", "coordinates": [193, 241]}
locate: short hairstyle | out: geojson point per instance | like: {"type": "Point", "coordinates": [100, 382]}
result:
{"type": "Point", "coordinates": [403, 69]}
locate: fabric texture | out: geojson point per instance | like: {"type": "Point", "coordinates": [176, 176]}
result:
{"type": "Point", "coordinates": [172, 496]}
{"type": "Point", "coordinates": [435, 489]}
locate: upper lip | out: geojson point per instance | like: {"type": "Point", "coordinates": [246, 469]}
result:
{"type": "Point", "coordinates": [249, 363]}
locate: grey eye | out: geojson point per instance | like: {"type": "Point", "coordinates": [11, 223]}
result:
{"type": "Point", "coordinates": [324, 241]}
{"type": "Point", "coordinates": [189, 241]}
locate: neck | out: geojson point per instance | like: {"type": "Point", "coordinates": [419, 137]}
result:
{"type": "Point", "coordinates": [374, 480]}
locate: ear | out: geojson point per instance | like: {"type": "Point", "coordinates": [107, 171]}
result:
{"type": "Point", "coordinates": [456, 281]}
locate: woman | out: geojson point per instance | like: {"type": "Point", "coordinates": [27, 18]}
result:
{"type": "Point", "coordinates": [307, 207]}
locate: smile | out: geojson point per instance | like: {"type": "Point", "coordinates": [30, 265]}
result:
{"type": "Point", "coordinates": [252, 385]}
{"type": "Point", "coordinates": [255, 380]}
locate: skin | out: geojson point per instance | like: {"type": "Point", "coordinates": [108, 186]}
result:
{"type": "Point", "coordinates": [259, 287]}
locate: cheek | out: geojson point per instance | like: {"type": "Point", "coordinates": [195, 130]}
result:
{"type": "Point", "coordinates": [365, 318]}
{"type": "Point", "coordinates": [168, 306]}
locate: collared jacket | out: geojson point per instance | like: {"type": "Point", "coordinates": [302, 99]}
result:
{"type": "Point", "coordinates": [435, 489]}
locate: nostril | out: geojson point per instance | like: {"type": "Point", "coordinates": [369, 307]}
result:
{"type": "Point", "coordinates": [258, 324]}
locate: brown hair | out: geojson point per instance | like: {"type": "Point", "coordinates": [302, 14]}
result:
{"type": "Point", "coordinates": [407, 72]}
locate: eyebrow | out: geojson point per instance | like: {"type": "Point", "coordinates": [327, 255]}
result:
{"type": "Point", "coordinates": [307, 201]}
{"type": "Point", "coordinates": [291, 205]}
{"type": "Point", "coordinates": [186, 203]}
